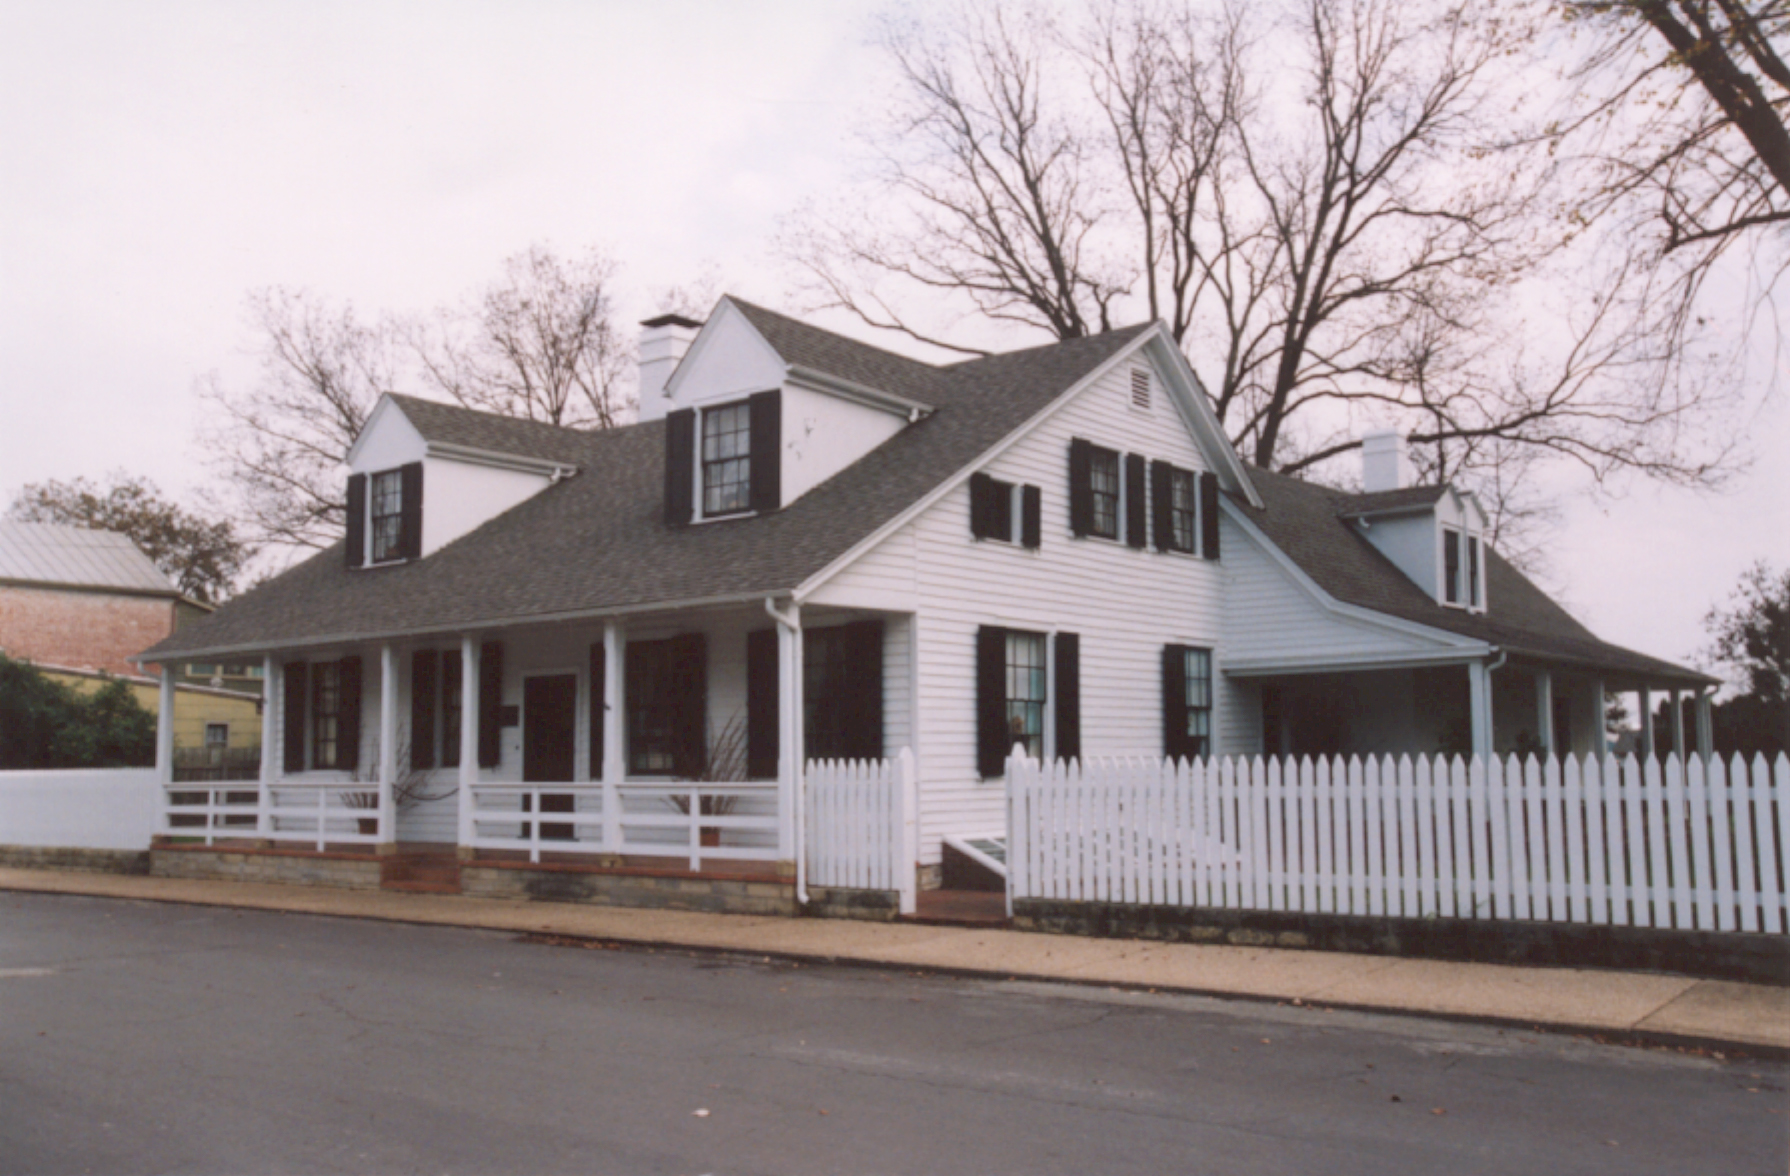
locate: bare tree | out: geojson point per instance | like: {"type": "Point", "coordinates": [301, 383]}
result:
{"type": "Point", "coordinates": [278, 447]}
{"type": "Point", "coordinates": [1328, 207]}
{"type": "Point", "coordinates": [539, 343]}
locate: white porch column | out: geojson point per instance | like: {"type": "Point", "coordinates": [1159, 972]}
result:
{"type": "Point", "coordinates": [273, 685]}
{"type": "Point", "coordinates": [1645, 697]}
{"type": "Point", "coordinates": [1677, 725]}
{"type": "Point", "coordinates": [1479, 707]}
{"type": "Point", "coordinates": [1544, 711]}
{"type": "Point", "coordinates": [615, 763]}
{"type": "Point", "coordinates": [469, 740]}
{"type": "Point", "coordinates": [388, 748]}
{"type": "Point", "coordinates": [1705, 726]}
{"type": "Point", "coordinates": [789, 735]}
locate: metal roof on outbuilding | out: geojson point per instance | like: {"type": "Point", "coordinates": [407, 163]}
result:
{"type": "Point", "coordinates": [76, 557]}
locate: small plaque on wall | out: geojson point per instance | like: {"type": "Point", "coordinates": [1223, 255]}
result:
{"type": "Point", "coordinates": [509, 716]}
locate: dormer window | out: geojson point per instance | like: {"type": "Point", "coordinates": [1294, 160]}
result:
{"type": "Point", "coordinates": [385, 516]}
{"type": "Point", "coordinates": [388, 517]}
{"type": "Point", "coordinates": [1460, 569]}
{"type": "Point", "coordinates": [726, 460]}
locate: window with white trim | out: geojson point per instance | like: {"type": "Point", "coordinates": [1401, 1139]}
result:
{"type": "Point", "coordinates": [1104, 485]}
{"type": "Point", "coordinates": [387, 521]}
{"type": "Point", "coordinates": [1027, 691]}
{"type": "Point", "coordinates": [1463, 569]}
{"type": "Point", "coordinates": [1184, 510]}
{"type": "Point", "coordinates": [726, 459]}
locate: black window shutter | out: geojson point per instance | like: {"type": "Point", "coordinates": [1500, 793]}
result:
{"type": "Point", "coordinates": [690, 660]}
{"type": "Point", "coordinates": [1162, 504]}
{"type": "Point", "coordinates": [490, 703]}
{"type": "Point", "coordinates": [356, 548]}
{"type": "Point", "coordinates": [864, 690]}
{"type": "Point", "coordinates": [680, 466]}
{"type": "Point", "coordinates": [1031, 519]}
{"type": "Point", "coordinates": [1081, 486]}
{"type": "Point", "coordinates": [981, 497]}
{"type": "Point", "coordinates": [1209, 515]}
{"type": "Point", "coordinates": [599, 706]}
{"type": "Point", "coordinates": [1174, 702]}
{"type": "Point", "coordinates": [1068, 698]}
{"type": "Point", "coordinates": [992, 743]}
{"type": "Point", "coordinates": [423, 666]}
{"type": "Point", "coordinates": [410, 510]}
{"type": "Point", "coordinates": [450, 684]}
{"type": "Point", "coordinates": [1137, 502]}
{"type": "Point", "coordinates": [348, 721]}
{"type": "Point", "coordinates": [763, 734]}
{"type": "Point", "coordinates": [766, 423]}
{"type": "Point", "coordinates": [294, 693]}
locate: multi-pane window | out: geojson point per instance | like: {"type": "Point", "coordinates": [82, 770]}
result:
{"type": "Point", "coordinates": [1199, 701]}
{"type": "Point", "coordinates": [1103, 475]}
{"type": "Point", "coordinates": [1451, 566]}
{"type": "Point", "coordinates": [1027, 688]}
{"type": "Point", "coordinates": [726, 459]}
{"type": "Point", "coordinates": [387, 516]}
{"type": "Point", "coordinates": [326, 714]}
{"type": "Point", "coordinates": [1183, 507]}
{"type": "Point", "coordinates": [217, 738]}
{"type": "Point", "coordinates": [652, 708]}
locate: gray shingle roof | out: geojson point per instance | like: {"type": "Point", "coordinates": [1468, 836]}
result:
{"type": "Point", "coordinates": [1307, 522]}
{"type": "Point", "coordinates": [453, 425]}
{"type": "Point", "coordinates": [1384, 501]}
{"type": "Point", "coordinates": [810, 347]}
{"type": "Point", "coordinates": [598, 542]}
{"type": "Point", "coordinates": [46, 553]}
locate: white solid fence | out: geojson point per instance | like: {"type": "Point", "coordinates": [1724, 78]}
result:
{"type": "Point", "coordinates": [1660, 844]}
{"type": "Point", "coordinates": [862, 825]}
{"type": "Point", "coordinates": [79, 808]}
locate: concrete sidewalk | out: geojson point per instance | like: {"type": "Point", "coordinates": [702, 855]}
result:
{"type": "Point", "coordinates": [1624, 1005]}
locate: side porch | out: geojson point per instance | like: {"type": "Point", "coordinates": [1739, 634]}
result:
{"type": "Point", "coordinates": [649, 759]}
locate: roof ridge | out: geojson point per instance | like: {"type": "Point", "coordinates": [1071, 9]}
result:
{"type": "Point", "coordinates": [844, 338]}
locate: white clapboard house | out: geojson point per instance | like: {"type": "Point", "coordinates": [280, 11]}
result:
{"type": "Point", "coordinates": [810, 549]}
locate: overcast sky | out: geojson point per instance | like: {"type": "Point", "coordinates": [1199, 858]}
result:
{"type": "Point", "coordinates": [160, 160]}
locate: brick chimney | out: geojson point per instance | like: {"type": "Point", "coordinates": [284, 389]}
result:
{"type": "Point", "coordinates": [663, 342]}
{"type": "Point", "coordinates": [1383, 464]}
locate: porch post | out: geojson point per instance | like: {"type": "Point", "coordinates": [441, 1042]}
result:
{"type": "Point", "coordinates": [1599, 721]}
{"type": "Point", "coordinates": [1677, 725]}
{"type": "Point", "coordinates": [1479, 706]}
{"type": "Point", "coordinates": [615, 764]}
{"type": "Point", "coordinates": [789, 735]}
{"type": "Point", "coordinates": [272, 682]}
{"type": "Point", "coordinates": [1705, 726]}
{"type": "Point", "coordinates": [164, 732]}
{"type": "Point", "coordinates": [1646, 699]}
{"type": "Point", "coordinates": [388, 748]}
{"type": "Point", "coordinates": [469, 741]}
{"type": "Point", "coordinates": [1544, 710]}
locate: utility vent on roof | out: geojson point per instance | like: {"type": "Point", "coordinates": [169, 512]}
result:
{"type": "Point", "coordinates": [1140, 388]}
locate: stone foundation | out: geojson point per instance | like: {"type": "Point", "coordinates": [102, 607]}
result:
{"type": "Point", "coordinates": [1716, 955]}
{"type": "Point", "coordinates": [89, 861]}
{"type": "Point", "coordinates": [286, 867]}
{"type": "Point", "coordinates": [627, 888]}
{"type": "Point", "coordinates": [826, 902]}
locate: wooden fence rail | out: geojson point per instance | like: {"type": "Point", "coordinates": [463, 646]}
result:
{"type": "Point", "coordinates": [1659, 844]}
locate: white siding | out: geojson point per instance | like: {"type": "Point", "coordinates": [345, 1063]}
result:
{"type": "Point", "coordinates": [1271, 615]}
{"type": "Point", "coordinates": [459, 496]}
{"type": "Point", "coordinates": [1125, 604]}
{"type": "Point", "coordinates": [822, 434]}
{"type": "Point", "coordinates": [728, 360]}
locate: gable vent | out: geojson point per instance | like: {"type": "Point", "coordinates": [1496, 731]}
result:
{"type": "Point", "coordinates": [1140, 388]}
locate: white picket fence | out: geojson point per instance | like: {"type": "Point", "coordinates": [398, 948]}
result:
{"type": "Point", "coordinates": [1599, 841]}
{"type": "Point", "coordinates": [862, 825]}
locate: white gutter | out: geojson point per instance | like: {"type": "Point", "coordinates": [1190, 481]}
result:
{"type": "Point", "coordinates": [792, 621]}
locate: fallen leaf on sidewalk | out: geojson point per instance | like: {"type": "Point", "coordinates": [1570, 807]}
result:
{"type": "Point", "coordinates": [1438, 1111]}
{"type": "Point", "coordinates": [700, 1113]}
{"type": "Point", "coordinates": [1395, 1098]}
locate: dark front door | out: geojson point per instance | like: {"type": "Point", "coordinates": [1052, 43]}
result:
{"type": "Point", "coordinates": [549, 738]}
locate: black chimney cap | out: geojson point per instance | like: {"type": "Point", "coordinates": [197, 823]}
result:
{"type": "Point", "coordinates": [671, 320]}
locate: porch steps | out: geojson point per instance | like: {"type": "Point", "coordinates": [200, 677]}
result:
{"type": "Point", "coordinates": [421, 873]}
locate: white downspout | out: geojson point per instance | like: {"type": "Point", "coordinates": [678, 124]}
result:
{"type": "Point", "coordinates": [790, 743]}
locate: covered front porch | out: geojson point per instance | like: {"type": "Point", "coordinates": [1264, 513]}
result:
{"type": "Point", "coordinates": [656, 745]}
{"type": "Point", "coordinates": [1502, 704]}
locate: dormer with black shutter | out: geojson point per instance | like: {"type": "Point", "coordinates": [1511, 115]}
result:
{"type": "Point", "coordinates": [755, 418]}
{"type": "Point", "coordinates": [1435, 535]}
{"type": "Point", "coordinates": [422, 474]}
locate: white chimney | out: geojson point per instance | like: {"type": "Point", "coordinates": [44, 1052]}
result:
{"type": "Point", "coordinates": [663, 341]}
{"type": "Point", "coordinates": [1383, 464]}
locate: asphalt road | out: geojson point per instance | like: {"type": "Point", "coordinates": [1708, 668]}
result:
{"type": "Point", "coordinates": [149, 1038]}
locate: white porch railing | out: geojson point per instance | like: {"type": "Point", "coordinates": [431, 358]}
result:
{"type": "Point", "coordinates": [862, 825]}
{"type": "Point", "coordinates": [1614, 842]}
{"type": "Point", "coordinates": [689, 819]}
{"type": "Point", "coordinates": [316, 812]}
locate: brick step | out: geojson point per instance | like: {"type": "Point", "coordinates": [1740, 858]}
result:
{"type": "Point", "coordinates": [431, 870]}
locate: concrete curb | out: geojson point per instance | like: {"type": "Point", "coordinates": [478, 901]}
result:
{"type": "Point", "coordinates": [1618, 1008]}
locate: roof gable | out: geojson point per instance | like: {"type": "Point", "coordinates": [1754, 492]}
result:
{"type": "Point", "coordinates": [48, 553]}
